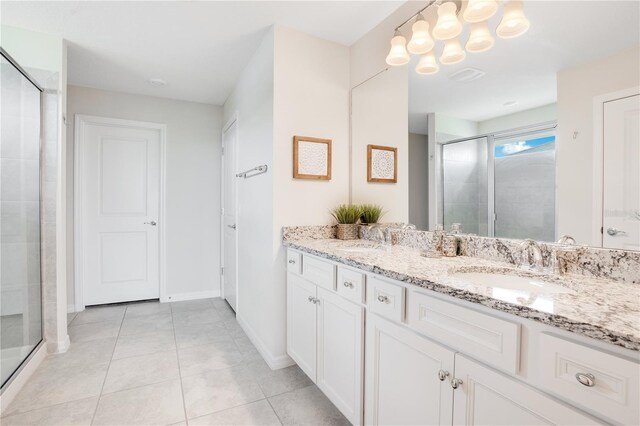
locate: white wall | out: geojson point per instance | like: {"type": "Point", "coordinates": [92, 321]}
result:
{"type": "Point", "coordinates": [311, 98]}
{"type": "Point", "coordinates": [192, 181]}
{"type": "Point", "coordinates": [419, 181]}
{"type": "Point", "coordinates": [577, 88]}
{"type": "Point", "coordinates": [259, 290]}
{"type": "Point", "coordinates": [295, 84]}
{"type": "Point", "coordinates": [519, 119]}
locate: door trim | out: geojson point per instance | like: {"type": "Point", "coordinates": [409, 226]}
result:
{"type": "Point", "coordinates": [81, 120]}
{"type": "Point", "coordinates": [230, 122]}
{"type": "Point", "coordinates": [598, 158]}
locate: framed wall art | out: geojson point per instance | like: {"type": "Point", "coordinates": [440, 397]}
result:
{"type": "Point", "coordinates": [311, 158]}
{"type": "Point", "coordinates": [382, 164]}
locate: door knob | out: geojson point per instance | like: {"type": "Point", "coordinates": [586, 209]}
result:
{"type": "Point", "coordinates": [613, 232]}
{"type": "Point", "coordinates": [152, 223]}
{"type": "Point", "coordinates": [232, 226]}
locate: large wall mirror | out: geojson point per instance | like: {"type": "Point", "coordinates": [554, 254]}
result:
{"type": "Point", "coordinates": [538, 137]}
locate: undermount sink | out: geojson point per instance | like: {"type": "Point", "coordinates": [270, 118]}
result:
{"type": "Point", "coordinates": [512, 281]}
{"type": "Point", "coordinates": [360, 249]}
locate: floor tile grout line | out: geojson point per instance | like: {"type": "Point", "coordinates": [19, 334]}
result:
{"type": "Point", "coordinates": [46, 407]}
{"type": "Point", "coordinates": [184, 402]}
{"type": "Point", "coordinates": [95, 411]}
{"type": "Point", "coordinates": [274, 410]}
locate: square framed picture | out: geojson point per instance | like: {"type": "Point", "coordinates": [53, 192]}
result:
{"type": "Point", "coordinates": [382, 164]}
{"type": "Point", "coordinates": [311, 158]}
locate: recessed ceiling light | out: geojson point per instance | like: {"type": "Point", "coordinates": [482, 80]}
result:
{"type": "Point", "coordinates": [157, 82]}
{"type": "Point", "coordinates": [510, 104]}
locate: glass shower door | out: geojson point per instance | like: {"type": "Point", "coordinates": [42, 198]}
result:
{"type": "Point", "coordinates": [465, 197]}
{"type": "Point", "coordinates": [20, 283]}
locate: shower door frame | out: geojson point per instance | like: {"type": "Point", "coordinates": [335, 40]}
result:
{"type": "Point", "coordinates": [35, 352]}
{"type": "Point", "coordinates": [491, 142]}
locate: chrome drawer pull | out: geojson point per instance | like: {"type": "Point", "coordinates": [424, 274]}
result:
{"type": "Point", "coordinates": [383, 299]}
{"type": "Point", "coordinates": [586, 379]}
{"type": "Point", "coordinates": [292, 261]}
{"type": "Point", "coordinates": [455, 383]}
{"type": "Point", "coordinates": [443, 375]}
{"type": "Point", "coordinates": [348, 284]}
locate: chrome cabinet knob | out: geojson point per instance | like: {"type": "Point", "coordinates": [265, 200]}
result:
{"type": "Point", "coordinates": [443, 375]}
{"type": "Point", "coordinates": [313, 300]}
{"type": "Point", "coordinates": [383, 299]}
{"type": "Point", "coordinates": [291, 261]}
{"type": "Point", "coordinates": [310, 299]}
{"type": "Point", "coordinates": [455, 383]}
{"type": "Point", "coordinates": [232, 226]}
{"type": "Point", "coordinates": [152, 223]}
{"type": "Point", "coordinates": [613, 232]}
{"type": "Point", "coordinates": [348, 284]}
{"type": "Point", "coordinates": [586, 379]}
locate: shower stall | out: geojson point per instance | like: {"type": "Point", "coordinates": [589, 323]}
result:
{"type": "Point", "coordinates": [20, 210]}
{"type": "Point", "coordinates": [501, 184]}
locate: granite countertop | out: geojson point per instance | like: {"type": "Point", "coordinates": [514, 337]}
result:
{"type": "Point", "coordinates": [598, 308]}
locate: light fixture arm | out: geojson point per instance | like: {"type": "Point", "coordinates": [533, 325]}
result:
{"type": "Point", "coordinates": [431, 3]}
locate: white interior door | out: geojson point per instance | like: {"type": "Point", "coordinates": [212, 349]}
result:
{"type": "Point", "coordinates": [229, 276]}
{"type": "Point", "coordinates": [621, 186]}
{"type": "Point", "coordinates": [119, 171]}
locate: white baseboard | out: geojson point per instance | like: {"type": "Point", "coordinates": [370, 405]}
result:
{"type": "Point", "coordinates": [60, 346]}
{"type": "Point", "coordinates": [274, 362]}
{"type": "Point", "coordinates": [192, 296]}
{"type": "Point", "coordinates": [12, 388]}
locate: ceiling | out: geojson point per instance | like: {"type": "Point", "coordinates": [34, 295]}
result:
{"type": "Point", "coordinates": [198, 47]}
{"type": "Point", "coordinates": [562, 34]}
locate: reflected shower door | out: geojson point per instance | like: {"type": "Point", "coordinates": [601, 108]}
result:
{"type": "Point", "coordinates": [525, 186]}
{"type": "Point", "coordinates": [465, 195]}
{"type": "Point", "coordinates": [20, 290]}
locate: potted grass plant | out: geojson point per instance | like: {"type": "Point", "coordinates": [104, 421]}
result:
{"type": "Point", "coordinates": [371, 213]}
{"type": "Point", "coordinates": [347, 216]}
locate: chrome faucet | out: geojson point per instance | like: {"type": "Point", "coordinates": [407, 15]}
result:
{"type": "Point", "coordinates": [567, 240]}
{"type": "Point", "coordinates": [531, 253]}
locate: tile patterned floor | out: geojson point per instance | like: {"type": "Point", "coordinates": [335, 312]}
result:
{"type": "Point", "coordinates": [165, 364]}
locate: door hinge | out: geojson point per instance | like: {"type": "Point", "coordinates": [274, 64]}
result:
{"type": "Point", "coordinates": [223, 150]}
{"type": "Point", "coordinates": [602, 230]}
{"type": "Point", "coordinates": [221, 271]}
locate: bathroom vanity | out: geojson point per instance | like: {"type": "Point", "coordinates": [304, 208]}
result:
{"type": "Point", "coordinates": [392, 337]}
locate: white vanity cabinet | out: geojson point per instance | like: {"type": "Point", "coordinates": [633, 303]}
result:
{"type": "Point", "coordinates": [484, 396]}
{"type": "Point", "coordinates": [325, 337]}
{"type": "Point", "coordinates": [388, 353]}
{"type": "Point", "coordinates": [407, 377]}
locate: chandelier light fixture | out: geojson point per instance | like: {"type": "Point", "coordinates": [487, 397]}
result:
{"type": "Point", "coordinates": [447, 27]}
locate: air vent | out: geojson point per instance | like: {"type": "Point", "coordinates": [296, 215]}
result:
{"type": "Point", "coordinates": [466, 75]}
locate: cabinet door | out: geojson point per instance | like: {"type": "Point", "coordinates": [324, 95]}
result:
{"type": "Point", "coordinates": [487, 397]}
{"type": "Point", "coordinates": [301, 323]}
{"type": "Point", "coordinates": [402, 385]}
{"type": "Point", "coordinates": [340, 346]}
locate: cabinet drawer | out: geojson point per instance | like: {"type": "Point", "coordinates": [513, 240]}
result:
{"type": "Point", "coordinates": [319, 272]}
{"type": "Point", "coordinates": [490, 339]}
{"type": "Point", "coordinates": [385, 299]}
{"type": "Point", "coordinates": [351, 284]}
{"type": "Point", "coordinates": [610, 383]}
{"type": "Point", "coordinates": [294, 262]}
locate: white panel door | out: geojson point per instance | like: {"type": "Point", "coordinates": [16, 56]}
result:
{"type": "Point", "coordinates": [120, 205]}
{"type": "Point", "coordinates": [229, 216]}
{"type": "Point", "coordinates": [486, 397]}
{"type": "Point", "coordinates": [403, 373]}
{"type": "Point", "coordinates": [340, 358]}
{"type": "Point", "coordinates": [621, 204]}
{"type": "Point", "coordinates": [301, 323]}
